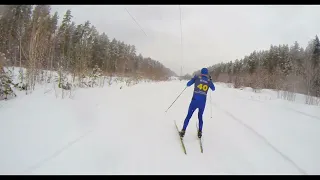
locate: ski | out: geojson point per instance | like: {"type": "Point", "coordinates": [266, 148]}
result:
{"type": "Point", "coordinates": [201, 148]}
{"type": "Point", "coordinates": [181, 139]}
{"type": "Point", "coordinates": [200, 140]}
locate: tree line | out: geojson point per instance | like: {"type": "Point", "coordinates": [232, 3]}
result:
{"type": "Point", "coordinates": [283, 67]}
{"type": "Point", "coordinates": [30, 37]}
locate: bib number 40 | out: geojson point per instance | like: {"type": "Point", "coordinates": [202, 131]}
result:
{"type": "Point", "coordinates": [203, 87]}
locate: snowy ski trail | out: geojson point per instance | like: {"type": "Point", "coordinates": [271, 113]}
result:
{"type": "Point", "coordinates": [126, 131]}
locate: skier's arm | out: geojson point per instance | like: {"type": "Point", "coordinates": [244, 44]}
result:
{"type": "Point", "coordinates": [191, 81]}
{"type": "Point", "coordinates": [211, 85]}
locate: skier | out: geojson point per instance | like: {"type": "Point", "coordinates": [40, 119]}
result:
{"type": "Point", "coordinates": [201, 86]}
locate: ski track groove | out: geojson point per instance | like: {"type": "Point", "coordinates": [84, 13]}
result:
{"type": "Point", "coordinates": [286, 108]}
{"type": "Point", "coordinates": [57, 153]}
{"type": "Point", "coordinates": [262, 138]}
{"type": "Point", "coordinates": [303, 113]}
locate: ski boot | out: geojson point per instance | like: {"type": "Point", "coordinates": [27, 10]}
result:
{"type": "Point", "coordinates": [199, 134]}
{"type": "Point", "coordinates": [181, 133]}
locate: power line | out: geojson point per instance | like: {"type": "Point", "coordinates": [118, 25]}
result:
{"type": "Point", "coordinates": [181, 41]}
{"type": "Point", "coordinates": [136, 22]}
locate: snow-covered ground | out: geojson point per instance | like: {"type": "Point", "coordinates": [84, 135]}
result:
{"type": "Point", "coordinates": [126, 131]}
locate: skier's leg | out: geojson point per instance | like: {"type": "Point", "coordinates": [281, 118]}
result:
{"type": "Point", "coordinates": [189, 115]}
{"type": "Point", "coordinates": [200, 115]}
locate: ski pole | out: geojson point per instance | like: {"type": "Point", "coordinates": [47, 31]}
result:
{"type": "Point", "coordinates": [210, 105]}
{"type": "Point", "coordinates": [176, 98]}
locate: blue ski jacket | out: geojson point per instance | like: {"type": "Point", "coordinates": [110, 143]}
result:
{"type": "Point", "coordinates": [202, 83]}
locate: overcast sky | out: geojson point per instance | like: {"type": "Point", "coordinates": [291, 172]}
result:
{"type": "Point", "coordinates": [210, 34]}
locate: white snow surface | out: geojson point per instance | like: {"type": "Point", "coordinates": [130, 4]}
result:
{"type": "Point", "coordinates": [126, 131]}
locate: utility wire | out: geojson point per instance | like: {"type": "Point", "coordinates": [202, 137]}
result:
{"type": "Point", "coordinates": [136, 21]}
{"type": "Point", "coordinates": [181, 41]}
